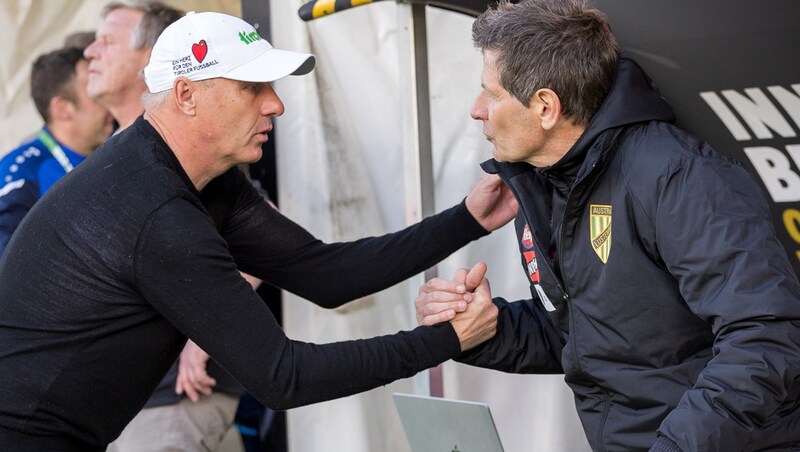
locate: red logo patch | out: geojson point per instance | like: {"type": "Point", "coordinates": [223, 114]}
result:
{"type": "Point", "coordinates": [199, 50]}
{"type": "Point", "coordinates": [533, 266]}
{"type": "Point", "coordinates": [527, 238]}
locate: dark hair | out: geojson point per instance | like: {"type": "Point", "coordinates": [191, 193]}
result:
{"type": "Point", "coordinates": [79, 39]}
{"type": "Point", "coordinates": [564, 45]}
{"type": "Point", "coordinates": [52, 75]}
{"type": "Point", "coordinates": [157, 17]}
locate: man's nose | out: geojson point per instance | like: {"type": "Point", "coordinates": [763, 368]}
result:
{"type": "Point", "coordinates": [272, 105]}
{"type": "Point", "coordinates": [90, 51]}
{"type": "Point", "coordinates": [478, 111]}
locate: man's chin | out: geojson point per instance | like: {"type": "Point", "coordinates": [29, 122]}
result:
{"type": "Point", "coordinates": [497, 156]}
{"type": "Point", "coordinates": [254, 156]}
{"type": "Point", "coordinates": [96, 95]}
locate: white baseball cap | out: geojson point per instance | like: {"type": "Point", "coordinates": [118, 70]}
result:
{"type": "Point", "coordinates": [200, 46]}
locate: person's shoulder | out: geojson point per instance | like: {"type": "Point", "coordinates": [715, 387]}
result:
{"type": "Point", "coordinates": [659, 148]}
{"type": "Point", "coordinates": [50, 171]}
{"type": "Point", "coordinates": [652, 154]}
{"type": "Point", "coordinates": [23, 162]}
{"type": "Point", "coordinates": [49, 164]}
{"type": "Point", "coordinates": [138, 177]}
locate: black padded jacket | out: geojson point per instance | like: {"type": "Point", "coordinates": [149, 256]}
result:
{"type": "Point", "coordinates": [658, 287]}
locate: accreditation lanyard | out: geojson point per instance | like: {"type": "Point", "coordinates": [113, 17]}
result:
{"type": "Point", "coordinates": [55, 149]}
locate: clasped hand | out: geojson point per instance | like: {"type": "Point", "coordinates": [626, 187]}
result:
{"type": "Point", "coordinates": [465, 302]}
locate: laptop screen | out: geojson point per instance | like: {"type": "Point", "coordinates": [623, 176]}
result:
{"type": "Point", "coordinates": [433, 424]}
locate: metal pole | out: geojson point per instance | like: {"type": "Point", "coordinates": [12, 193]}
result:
{"type": "Point", "coordinates": [417, 147]}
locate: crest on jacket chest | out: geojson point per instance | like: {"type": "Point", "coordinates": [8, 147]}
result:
{"type": "Point", "coordinates": [600, 230]}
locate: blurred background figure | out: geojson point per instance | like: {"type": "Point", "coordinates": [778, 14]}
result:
{"type": "Point", "coordinates": [120, 50]}
{"type": "Point", "coordinates": [74, 125]}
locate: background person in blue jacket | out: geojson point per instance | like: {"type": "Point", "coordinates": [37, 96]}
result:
{"type": "Point", "coordinates": [74, 126]}
{"type": "Point", "coordinates": [658, 286]}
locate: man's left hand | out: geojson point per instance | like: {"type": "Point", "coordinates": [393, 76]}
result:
{"type": "Point", "coordinates": [192, 376]}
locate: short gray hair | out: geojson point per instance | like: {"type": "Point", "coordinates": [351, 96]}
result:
{"type": "Point", "coordinates": [157, 17]}
{"type": "Point", "coordinates": [564, 45]}
{"type": "Point", "coordinates": [151, 101]}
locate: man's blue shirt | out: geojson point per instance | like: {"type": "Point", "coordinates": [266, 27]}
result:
{"type": "Point", "coordinates": [51, 170]}
{"type": "Point", "coordinates": [25, 174]}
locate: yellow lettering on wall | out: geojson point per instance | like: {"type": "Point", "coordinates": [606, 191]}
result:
{"type": "Point", "coordinates": [791, 219]}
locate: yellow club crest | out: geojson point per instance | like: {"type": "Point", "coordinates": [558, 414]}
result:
{"type": "Point", "coordinates": [600, 233]}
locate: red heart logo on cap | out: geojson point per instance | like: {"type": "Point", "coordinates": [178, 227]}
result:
{"type": "Point", "coordinates": [199, 50]}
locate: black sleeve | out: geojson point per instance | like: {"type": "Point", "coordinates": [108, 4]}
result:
{"type": "Point", "coordinates": [266, 244]}
{"type": "Point", "coordinates": [733, 273]}
{"type": "Point", "coordinates": [526, 341]}
{"type": "Point", "coordinates": [184, 270]}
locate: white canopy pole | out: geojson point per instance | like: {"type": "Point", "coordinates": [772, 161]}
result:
{"type": "Point", "coordinates": [417, 148]}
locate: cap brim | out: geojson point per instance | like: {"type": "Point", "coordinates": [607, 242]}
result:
{"type": "Point", "coordinates": [272, 65]}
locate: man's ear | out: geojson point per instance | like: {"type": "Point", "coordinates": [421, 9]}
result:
{"type": "Point", "coordinates": [60, 108]}
{"type": "Point", "coordinates": [183, 92]}
{"type": "Point", "coordinates": [547, 107]}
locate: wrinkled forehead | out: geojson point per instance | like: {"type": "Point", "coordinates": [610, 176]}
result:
{"type": "Point", "coordinates": [490, 72]}
{"type": "Point", "coordinates": [120, 22]}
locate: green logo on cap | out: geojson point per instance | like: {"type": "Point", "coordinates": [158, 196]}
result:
{"type": "Point", "coordinates": [247, 38]}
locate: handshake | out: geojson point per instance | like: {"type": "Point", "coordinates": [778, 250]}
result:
{"type": "Point", "coordinates": [465, 302]}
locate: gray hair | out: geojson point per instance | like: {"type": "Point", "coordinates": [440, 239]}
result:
{"type": "Point", "coordinates": [157, 17]}
{"type": "Point", "coordinates": [564, 45]}
{"type": "Point", "coordinates": [151, 101]}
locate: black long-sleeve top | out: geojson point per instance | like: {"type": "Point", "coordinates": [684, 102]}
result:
{"type": "Point", "coordinates": [122, 260]}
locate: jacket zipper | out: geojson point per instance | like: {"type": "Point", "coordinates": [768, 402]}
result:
{"type": "Point", "coordinates": [560, 243]}
{"type": "Point", "coordinates": [601, 428]}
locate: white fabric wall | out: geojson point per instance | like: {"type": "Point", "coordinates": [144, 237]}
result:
{"type": "Point", "coordinates": [340, 169]}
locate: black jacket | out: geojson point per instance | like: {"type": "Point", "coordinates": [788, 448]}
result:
{"type": "Point", "coordinates": [676, 312]}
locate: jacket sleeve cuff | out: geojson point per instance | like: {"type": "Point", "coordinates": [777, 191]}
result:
{"type": "Point", "coordinates": [664, 444]}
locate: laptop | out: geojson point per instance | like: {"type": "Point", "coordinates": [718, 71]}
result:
{"type": "Point", "coordinates": [434, 424]}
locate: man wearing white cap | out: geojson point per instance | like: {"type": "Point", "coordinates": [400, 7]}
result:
{"type": "Point", "coordinates": [149, 236]}
{"type": "Point", "coordinates": [193, 417]}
